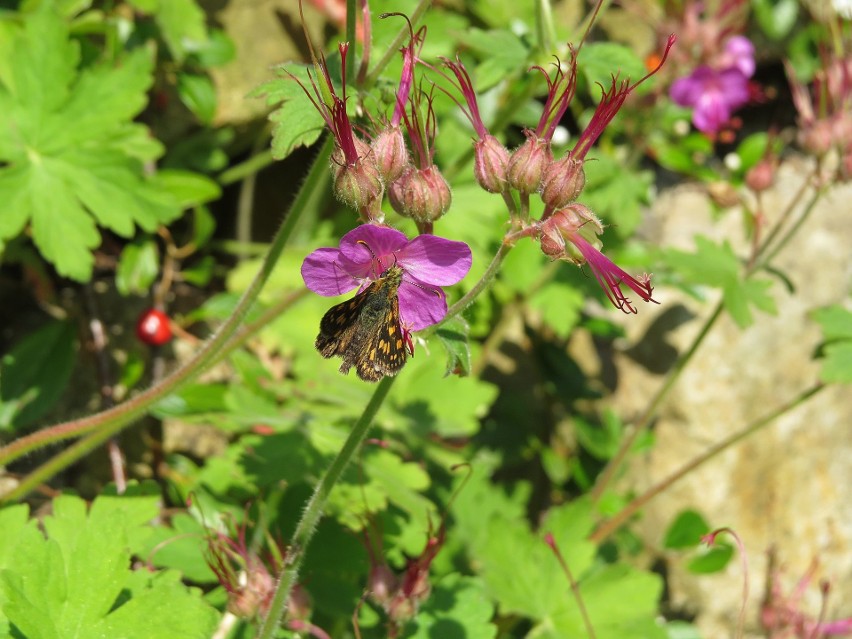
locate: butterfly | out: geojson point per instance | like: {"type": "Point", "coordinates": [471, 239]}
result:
{"type": "Point", "coordinates": [366, 332]}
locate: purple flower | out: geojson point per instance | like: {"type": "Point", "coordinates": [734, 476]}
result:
{"type": "Point", "coordinates": [716, 92]}
{"type": "Point", "coordinates": [714, 96]}
{"type": "Point", "coordinates": [366, 252]}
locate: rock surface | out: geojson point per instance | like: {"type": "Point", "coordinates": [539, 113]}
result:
{"type": "Point", "coordinates": [788, 486]}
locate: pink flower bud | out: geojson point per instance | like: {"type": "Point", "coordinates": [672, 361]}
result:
{"type": "Point", "coordinates": [576, 219]}
{"type": "Point", "coordinates": [358, 185]}
{"type": "Point", "coordinates": [421, 194]}
{"type": "Point", "coordinates": [489, 164]}
{"type": "Point", "coordinates": [527, 164]}
{"type": "Point", "coordinates": [563, 182]}
{"type": "Point", "coordinates": [391, 153]}
{"type": "Point", "coordinates": [761, 176]}
{"type": "Point", "coordinates": [382, 584]}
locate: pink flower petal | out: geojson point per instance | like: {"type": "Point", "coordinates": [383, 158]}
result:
{"type": "Point", "coordinates": [324, 275]}
{"type": "Point", "coordinates": [436, 260]}
{"type": "Point", "coordinates": [420, 305]}
{"type": "Point", "coordinates": [367, 241]}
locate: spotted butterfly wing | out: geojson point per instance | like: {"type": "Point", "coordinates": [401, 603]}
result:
{"type": "Point", "coordinates": [365, 331]}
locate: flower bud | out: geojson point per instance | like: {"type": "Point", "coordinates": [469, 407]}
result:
{"type": "Point", "coordinates": [817, 138]}
{"type": "Point", "coordinates": [252, 599]}
{"type": "Point", "coordinates": [358, 185]}
{"type": "Point", "coordinates": [489, 164]}
{"type": "Point", "coordinates": [761, 176]}
{"type": "Point", "coordinates": [421, 194]}
{"type": "Point", "coordinates": [382, 584]}
{"type": "Point", "coordinates": [391, 153]}
{"type": "Point", "coordinates": [563, 182]}
{"type": "Point", "coordinates": [576, 219]}
{"type": "Point", "coordinates": [527, 163]}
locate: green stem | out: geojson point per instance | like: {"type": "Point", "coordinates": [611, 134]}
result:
{"type": "Point", "coordinates": [242, 170]}
{"type": "Point", "coordinates": [484, 281]}
{"type": "Point", "coordinates": [314, 511]}
{"type": "Point", "coordinates": [545, 31]}
{"type": "Point", "coordinates": [608, 527]}
{"type": "Point", "coordinates": [109, 422]}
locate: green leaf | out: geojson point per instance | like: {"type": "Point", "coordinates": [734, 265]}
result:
{"type": "Point", "coordinates": [620, 601]}
{"type": "Point", "coordinates": [503, 54]}
{"type": "Point", "coordinates": [138, 266]}
{"type": "Point", "coordinates": [295, 122]}
{"type": "Point", "coordinates": [835, 322]}
{"type": "Point", "coordinates": [837, 363]}
{"type": "Point", "coordinates": [198, 94]}
{"type": "Point", "coordinates": [615, 193]}
{"type": "Point", "coordinates": [600, 61]}
{"type": "Point", "coordinates": [776, 17]}
{"type": "Point", "coordinates": [35, 372]}
{"type": "Point", "coordinates": [183, 25]}
{"type": "Point", "coordinates": [453, 335]}
{"type": "Point", "coordinates": [686, 530]}
{"type": "Point", "coordinates": [457, 607]}
{"type": "Point", "coordinates": [203, 226]}
{"type": "Point", "coordinates": [188, 188]}
{"type": "Point", "coordinates": [714, 560]}
{"type": "Point", "coordinates": [72, 155]}
{"type": "Point", "coordinates": [76, 579]}
{"type": "Point", "coordinates": [716, 265]}
{"type": "Point", "coordinates": [559, 305]}
{"type": "Point", "coordinates": [751, 150]}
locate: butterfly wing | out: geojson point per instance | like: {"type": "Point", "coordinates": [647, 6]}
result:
{"type": "Point", "coordinates": [385, 352]}
{"type": "Point", "coordinates": [339, 326]}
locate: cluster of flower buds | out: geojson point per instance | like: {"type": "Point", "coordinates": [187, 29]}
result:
{"type": "Point", "coordinates": [825, 110]}
{"type": "Point", "coordinates": [249, 578]}
{"type": "Point", "coordinates": [363, 172]}
{"type": "Point", "coordinates": [401, 595]}
{"type": "Point", "coordinates": [416, 188]}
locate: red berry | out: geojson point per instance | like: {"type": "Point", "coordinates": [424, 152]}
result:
{"type": "Point", "coordinates": [154, 328]}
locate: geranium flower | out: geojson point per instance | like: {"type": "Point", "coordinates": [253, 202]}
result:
{"type": "Point", "coordinates": [714, 93]}
{"type": "Point", "coordinates": [428, 263]}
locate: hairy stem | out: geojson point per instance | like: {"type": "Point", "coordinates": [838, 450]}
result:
{"type": "Point", "coordinates": [113, 420]}
{"type": "Point", "coordinates": [314, 511]}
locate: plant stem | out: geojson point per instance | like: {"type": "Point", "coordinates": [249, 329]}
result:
{"type": "Point", "coordinates": [484, 281]}
{"type": "Point", "coordinates": [113, 420]}
{"type": "Point", "coordinates": [314, 511]}
{"type": "Point", "coordinates": [611, 525]}
{"type": "Point", "coordinates": [251, 166]}
{"type": "Point", "coordinates": [645, 421]}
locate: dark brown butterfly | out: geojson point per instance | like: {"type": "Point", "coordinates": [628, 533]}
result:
{"type": "Point", "coordinates": [365, 331]}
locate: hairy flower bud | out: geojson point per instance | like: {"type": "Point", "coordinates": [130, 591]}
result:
{"type": "Point", "coordinates": [391, 153]}
{"type": "Point", "coordinates": [382, 583]}
{"type": "Point", "coordinates": [527, 163]}
{"type": "Point", "coordinates": [563, 182]}
{"type": "Point", "coordinates": [489, 164]}
{"type": "Point", "coordinates": [421, 194]}
{"type": "Point", "coordinates": [575, 219]}
{"type": "Point", "coordinates": [358, 185]}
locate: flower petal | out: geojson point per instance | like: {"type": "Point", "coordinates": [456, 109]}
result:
{"type": "Point", "coordinates": [324, 274]}
{"type": "Point", "coordinates": [435, 260]}
{"type": "Point", "coordinates": [420, 305]}
{"type": "Point", "coordinates": [367, 241]}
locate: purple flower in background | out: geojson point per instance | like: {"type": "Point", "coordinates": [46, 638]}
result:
{"type": "Point", "coordinates": [366, 252]}
{"type": "Point", "coordinates": [715, 93]}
